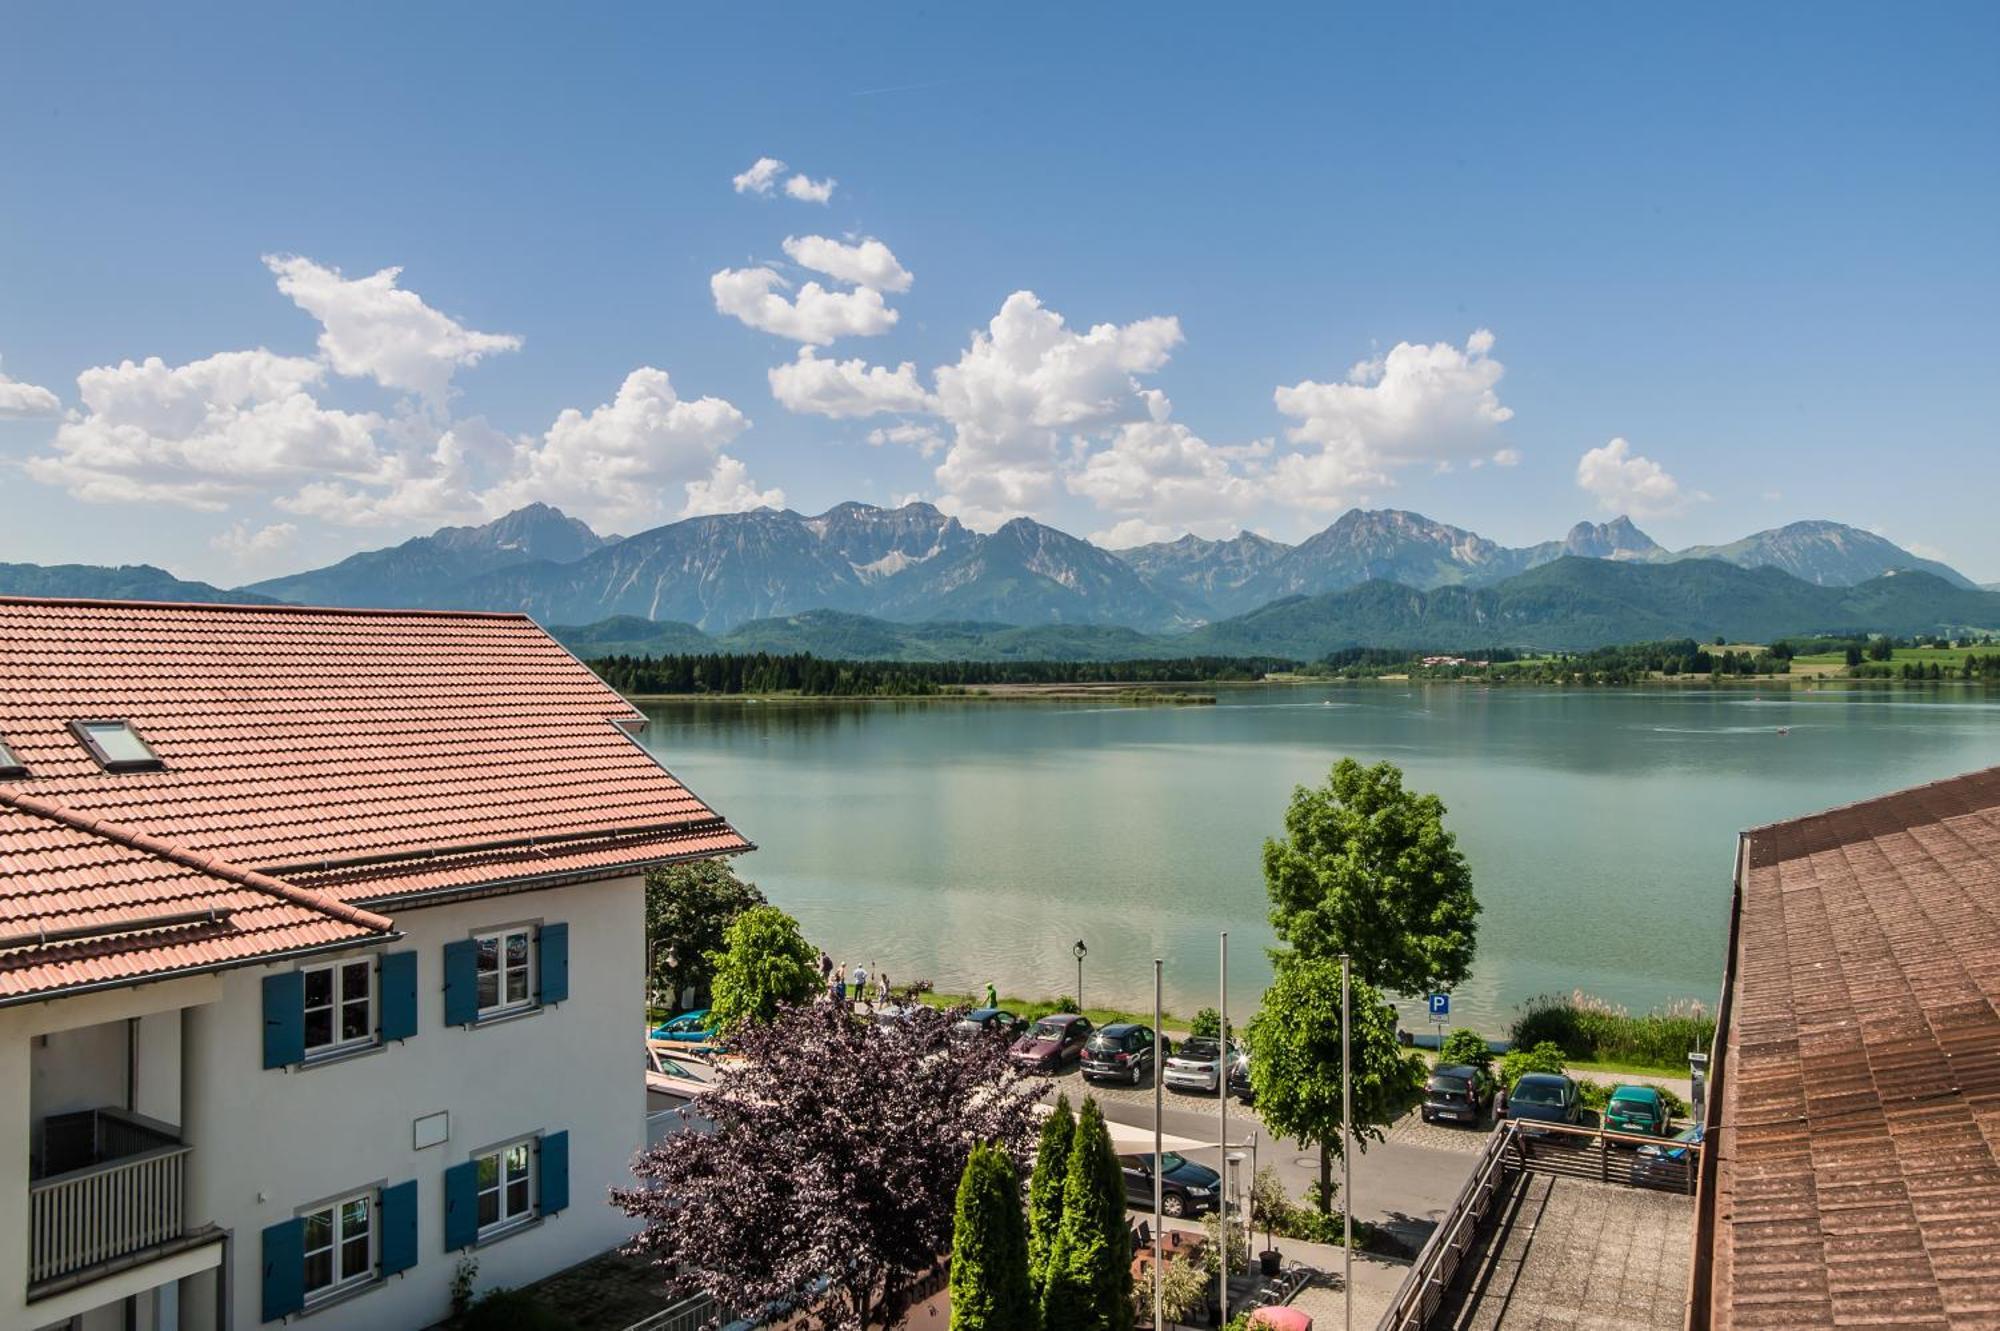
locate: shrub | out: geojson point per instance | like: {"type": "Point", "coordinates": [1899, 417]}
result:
{"type": "Point", "coordinates": [1065, 1004]}
{"type": "Point", "coordinates": [1591, 1030]}
{"type": "Point", "coordinates": [1184, 1289]}
{"type": "Point", "coordinates": [1207, 1024]}
{"type": "Point", "coordinates": [1547, 1056]}
{"type": "Point", "coordinates": [990, 1290]}
{"type": "Point", "coordinates": [1463, 1046]}
{"type": "Point", "coordinates": [513, 1310]}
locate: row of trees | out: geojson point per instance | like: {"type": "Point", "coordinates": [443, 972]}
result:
{"type": "Point", "coordinates": [813, 676]}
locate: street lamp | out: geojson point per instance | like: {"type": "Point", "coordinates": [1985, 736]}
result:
{"type": "Point", "coordinates": [1081, 952]}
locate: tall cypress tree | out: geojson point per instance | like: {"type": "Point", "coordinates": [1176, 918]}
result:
{"type": "Point", "coordinates": [989, 1249]}
{"type": "Point", "coordinates": [1090, 1266]}
{"type": "Point", "coordinates": [1045, 1189]}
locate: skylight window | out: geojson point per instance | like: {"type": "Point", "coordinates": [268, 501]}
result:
{"type": "Point", "coordinates": [116, 746]}
{"type": "Point", "coordinates": [10, 766]}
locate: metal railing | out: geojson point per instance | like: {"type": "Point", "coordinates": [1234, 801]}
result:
{"type": "Point", "coordinates": [692, 1314]}
{"type": "Point", "coordinates": [130, 1198]}
{"type": "Point", "coordinates": [1538, 1148]}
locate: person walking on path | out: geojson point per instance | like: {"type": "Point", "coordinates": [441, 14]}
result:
{"type": "Point", "coordinates": [836, 987]}
{"type": "Point", "coordinates": [992, 995]}
{"type": "Point", "coordinates": [860, 982]}
{"type": "Point", "coordinates": [825, 966]}
{"type": "Point", "coordinates": [881, 989]}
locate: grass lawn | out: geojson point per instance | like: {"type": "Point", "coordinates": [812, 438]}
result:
{"type": "Point", "coordinates": [1944, 656]}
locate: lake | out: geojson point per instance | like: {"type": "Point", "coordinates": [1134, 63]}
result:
{"type": "Point", "coordinates": [976, 841]}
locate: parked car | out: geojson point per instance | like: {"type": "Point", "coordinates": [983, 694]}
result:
{"type": "Point", "coordinates": [1197, 1064]}
{"type": "Point", "coordinates": [1239, 1078]}
{"type": "Point", "coordinates": [989, 1021]}
{"type": "Point", "coordinates": [1638, 1110]}
{"type": "Point", "coordinates": [1668, 1161]}
{"type": "Point", "coordinates": [688, 1028]}
{"type": "Point", "coordinates": [1186, 1188]}
{"type": "Point", "coordinates": [1052, 1042]}
{"type": "Point", "coordinates": [1543, 1097]}
{"type": "Point", "coordinates": [1458, 1092]}
{"type": "Point", "coordinates": [1122, 1051]}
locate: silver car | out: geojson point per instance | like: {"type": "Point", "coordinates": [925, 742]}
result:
{"type": "Point", "coordinates": [1197, 1064]}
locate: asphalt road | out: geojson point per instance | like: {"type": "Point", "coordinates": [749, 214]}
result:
{"type": "Point", "coordinates": [1405, 1182]}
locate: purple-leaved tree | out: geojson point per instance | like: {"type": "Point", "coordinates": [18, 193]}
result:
{"type": "Point", "coordinates": [829, 1180]}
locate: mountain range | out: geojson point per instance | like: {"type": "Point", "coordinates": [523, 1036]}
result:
{"type": "Point", "coordinates": [915, 581]}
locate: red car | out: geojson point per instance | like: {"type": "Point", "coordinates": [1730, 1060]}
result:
{"type": "Point", "coordinates": [1051, 1042]}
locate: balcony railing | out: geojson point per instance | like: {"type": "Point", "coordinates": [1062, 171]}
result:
{"type": "Point", "coordinates": [122, 1190]}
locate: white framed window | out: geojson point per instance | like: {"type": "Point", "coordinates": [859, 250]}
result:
{"type": "Point", "coordinates": [339, 1245]}
{"type": "Point", "coordinates": [506, 1179]}
{"type": "Point", "coordinates": [506, 969]}
{"type": "Point", "coordinates": [339, 1005]}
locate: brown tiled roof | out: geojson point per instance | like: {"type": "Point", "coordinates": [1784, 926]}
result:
{"type": "Point", "coordinates": [84, 902]}
{"type": "Point", "coordinates": [370, 753]}
{"type": "Point", "coordinates": [1858, 1158]}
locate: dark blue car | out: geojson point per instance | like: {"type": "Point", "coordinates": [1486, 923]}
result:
{"type": "Point", "coordinates": [1543, 1097]}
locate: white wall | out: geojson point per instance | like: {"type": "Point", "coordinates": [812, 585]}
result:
{"type": "Point", "coordinates": [268, 1142]}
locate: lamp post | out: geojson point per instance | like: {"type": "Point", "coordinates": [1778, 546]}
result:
{"type": "Point", "coordinates": [1222, 1103]}
{"type": "Point", "coordinates": [1159, 1104]}
{"type": "Point", "coordinates": [1346, 1148]}
{"type": "Point", "coordinates": [1081, 952]}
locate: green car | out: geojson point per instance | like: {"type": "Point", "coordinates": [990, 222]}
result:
{"type": "Point", "coordinates": [1640, 1111]}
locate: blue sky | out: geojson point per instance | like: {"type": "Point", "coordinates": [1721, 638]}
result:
{"type": "Point", "coordinates": [1474, 249]}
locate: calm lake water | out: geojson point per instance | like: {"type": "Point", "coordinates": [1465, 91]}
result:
{"type": "Point", "coordinates": [969, 841]}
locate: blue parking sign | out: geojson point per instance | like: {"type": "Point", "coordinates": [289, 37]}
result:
{"type": "Point", "coordinates": [1440, 1005]}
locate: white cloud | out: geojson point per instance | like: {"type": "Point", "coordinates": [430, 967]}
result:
{"type": "Point", "coordinates": [1129, 532]}
{"type": "Point", "coordinates": [761, 176]}
{"type": "Point", "coordinates": [19, 400]}
{"type": "Point", "coordinates": [1025, 384]}
{"type": "Point", "coordinates": [847, 388]}
{"type": "Point", "coordinates": [807, 190]}
{"type": "Point", "coordinates": [815, 315]}
{"type": "Point", "coordinates": [246, 546]}
{"type": "Point", "coordinates": [868, 264]}
{"type": "Point", "coordinates": [619, 465]}
{"type": "Point", "coordinates": [924, 438]}
{"type": "Point", "coordinates": [727, 489]}
{"type": "Point", "coordinates": [1418, 404]}
{"type": "Point", "coordinates": [1625, 482]}
{"type": "Point", "coordinates": [202, 433]}
{"type": "Point", "coordinates": [376, 330]}
{"type": "Point", "coordinates": [1159, 472]}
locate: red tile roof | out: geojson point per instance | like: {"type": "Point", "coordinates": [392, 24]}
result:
{"type": "Point", "coordinates": [349, 755]}
{"type": "Point", "coordinates": [1858, 1156]}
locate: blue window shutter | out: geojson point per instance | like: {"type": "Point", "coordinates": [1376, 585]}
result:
{"type": "Point", "coordinates": [399, 1227]}
{"type": "Point", "coordinates": [554, 963]}
{"type": "Point", "coordinates": [398, 991]}
{"type": "Point", "coordinates": [461, 1206]}
{"type": "Point", "coordinates": [284, 1268]}
{"type": "Point", "coordinates": [554, 1168]}
{"type": "Point", "coordinates": [461, 982]}
{"type": "Point", "coordinates": [284, 1019]}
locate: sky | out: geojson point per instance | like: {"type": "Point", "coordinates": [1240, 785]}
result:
{"type": "Point", "coordinates": [278, 283]}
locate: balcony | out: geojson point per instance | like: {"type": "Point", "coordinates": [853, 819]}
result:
{"type": "Point", "coordinates": [109, 1189]}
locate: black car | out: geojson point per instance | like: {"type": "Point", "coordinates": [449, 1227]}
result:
{"type": "Point", "coordinates": [1186, 1188]}
{"type": "Point", "coordinates": [1457, 1092]}
{"type": "Point", "coordinates": [989, 1021]}
{"type": "Point", "coordinates": [1239, 1078]}
{"type": "Point", "coordinates": [1122, 1051]}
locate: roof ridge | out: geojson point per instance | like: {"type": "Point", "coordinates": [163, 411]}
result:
{"type": "Point", "coordinates": [209, 864]}
{"type": "Point", "coordinates": [271, 607]}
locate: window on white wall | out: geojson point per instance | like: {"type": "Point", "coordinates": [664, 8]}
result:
{"type": "Point", "coordinates": [339, 1005]}
{"type": "Point", "coordinates": [505, 970]}
{"type": "Point", "coordinates": [506, 1185]}
{"type": "Point", "coordinates": [339, 1245]}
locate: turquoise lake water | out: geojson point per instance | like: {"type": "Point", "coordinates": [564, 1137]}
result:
{"type": "Point", "coordinates": [970, 841]}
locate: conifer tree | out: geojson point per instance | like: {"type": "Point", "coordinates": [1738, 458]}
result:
{"type": "Point", "coordinates": [1045, 1189]}
{"type": "Point", "coordinates": [1090, 1266]}
{"type": "Point", "coordinates": [989, 1248]}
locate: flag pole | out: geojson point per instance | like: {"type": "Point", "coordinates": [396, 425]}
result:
{"type": "Point", "coordinates": [1159, 1107]}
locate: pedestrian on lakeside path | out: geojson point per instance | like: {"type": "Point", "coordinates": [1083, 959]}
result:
{"type": "Point", "coordinates": [881, 988]}
{"type": "Point", "coordinates": [992, 995]}
{"type": "Point", "coordinates": [825, 966]}
{"type": "Point", "coordinates": [836, 988]}
{"type": "Point", "coordinates": [860, 983]}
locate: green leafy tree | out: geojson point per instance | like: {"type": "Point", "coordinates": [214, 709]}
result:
{"type": "Point", "coordinates": [1546, 1057]}
{"type": "Point", "coordinates": [1045, 1189]}
{"type": "Point", "coordinates": [688, 907]}
{"type": "Point", "coordinates": [1468, 1048]}
{"type": "Point", "coordinates": [1090, 1266]}
{"type": "Point", "coordinates": [1295, 1061]}
{"type": "Point", "coordinates": [765, 964]}
{"type": "Point", "coordinates": [1207, 1024]}
{"type": "Point", "coordinates": [990, 1290]}
{"type": "Point", "coordinates": [1367, 868]}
